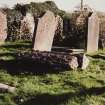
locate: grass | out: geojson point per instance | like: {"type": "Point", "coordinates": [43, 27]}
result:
{"type": "Point", "coordinates": [78, 87]}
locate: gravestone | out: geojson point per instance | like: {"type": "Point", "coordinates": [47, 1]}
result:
{"type": "Point", "coordinates": [27, 26]}
{"type": "Point", "coordinates": [45, 32]}
{"type": "Point", "coordinates": [3, 26]}
{"type": "Point", "coordinates": [93, 33]}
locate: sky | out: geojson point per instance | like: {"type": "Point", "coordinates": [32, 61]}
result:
{"type": "Point", "coordinates": [67, 5]}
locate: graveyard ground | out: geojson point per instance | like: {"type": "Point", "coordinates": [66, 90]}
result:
{"type": "Point", "coordinates": [76, 87]}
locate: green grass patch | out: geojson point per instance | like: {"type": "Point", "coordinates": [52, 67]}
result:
{"type": "Point", "coordinates": [81, 87]}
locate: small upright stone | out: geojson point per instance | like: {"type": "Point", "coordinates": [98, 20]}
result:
{"type": "Point", "coordinates": [27, 26]}
{"type": "Point", "coordinates": [83, 61]}
{"type": "Point", "coordinates": [93, 33]}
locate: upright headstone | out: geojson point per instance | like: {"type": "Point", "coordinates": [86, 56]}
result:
{"type": "Point", "coordinates": [45, 32]}
{"type": "Point", "coordinates": [93, 33]}
{"type": "Point", "coordinates": [3, 26]}
{"type": "Point", "coordinates": [27, 26]}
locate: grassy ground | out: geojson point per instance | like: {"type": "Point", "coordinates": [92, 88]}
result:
{"type": "Point", "coordinates": [53, 88]}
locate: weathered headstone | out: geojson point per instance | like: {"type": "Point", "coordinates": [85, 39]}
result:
{"type": "Point", "coordinates": [93, 33]}
{"type": "Point", "coordinates": [27, 26]}
{"type": "Point", "coordinates": [3, 26]}
{"type": "Point", "coordinates": [45, 32]}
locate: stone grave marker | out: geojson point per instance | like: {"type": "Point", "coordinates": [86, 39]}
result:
{"type": "Point", "coordinates": [3, 26]}
{"type": "Point", "coordinates": [45, 32]}
{"type": "Point", "coordinates": [93, 33]}
{"type": "Point", "coordinates": [27, 26]}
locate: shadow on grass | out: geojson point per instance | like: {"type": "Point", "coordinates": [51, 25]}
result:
{"type": "Point", "coordinates": [99, 56]}
{"type": "Point", "coordinates": [16, 66]}
{"type": "Point", "coordinates": [12, 54]}
{"type": "Point", "coordinates": [21, 66]}
{"type": "Point", "coordinates": [16, 46]}
{"type": "Point", "coordinates": [47, 99]}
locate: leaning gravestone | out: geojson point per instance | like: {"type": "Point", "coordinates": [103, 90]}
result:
{"type": "Point", "coordinates": [3, 26]}
{"type": "Point", "coordinates": [93, 33]}
{"type": "Point", "coordinates": [45, 32]}
{"type": "Point", "coordinates": [27, 27]}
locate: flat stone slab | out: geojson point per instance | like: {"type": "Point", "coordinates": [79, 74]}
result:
{"type": "Point", "coordinates": [55, 59]}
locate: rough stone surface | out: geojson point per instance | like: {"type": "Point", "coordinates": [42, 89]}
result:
{"type": "Point", "coordinates": [81, 20]}
{"type": "Point", "coordinates": [45, 32]}
{"type": "Point", "coordinates": [4, 88]}
{"type": "Point", "coordinates": [73, 64]}
{"type": "Point", "coordinates": [27, 26]}
{"type": "Point", "coordinates": [3, 26]}
{"type": "Point", "coordinates": [83, 61]}
{"type": "Point", "coordinates": [56, 60]}
{"type": "Point", "coordinates": [93, 33]}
